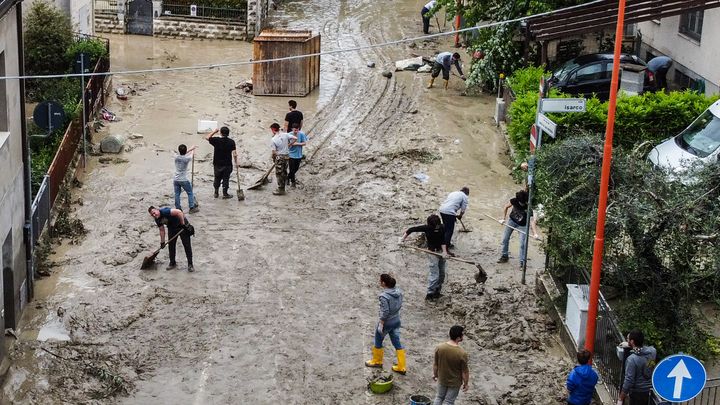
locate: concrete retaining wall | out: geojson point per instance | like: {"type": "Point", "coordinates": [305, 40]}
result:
{"type": "Point", "coordinates": [180, 27]}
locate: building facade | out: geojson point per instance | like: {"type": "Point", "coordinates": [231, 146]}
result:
{"type": "Point", "coordinates": [81, 13]}
{"type": "Point", "coordinates": [14, 207]}
{"type": "Point", "coordinates": [688, 39]}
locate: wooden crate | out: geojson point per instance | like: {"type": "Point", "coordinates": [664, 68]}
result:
{"type": "Point", "coordinates": [296, 77]}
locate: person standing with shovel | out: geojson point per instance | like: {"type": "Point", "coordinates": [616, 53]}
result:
{"type": "Point", "coordinates": [180, 181]}
{"type": "Point", "coordinates": [225, 153]}
{"type": "Point", "coordinates": [516, 220]}
{"type": "Point", "coordinates": [453, 208]}
{"type": "Point", "coordinates": [176, 224]}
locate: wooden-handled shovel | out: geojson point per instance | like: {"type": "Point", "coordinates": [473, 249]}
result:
{"type": "Point", "coordinates": [149, 260]}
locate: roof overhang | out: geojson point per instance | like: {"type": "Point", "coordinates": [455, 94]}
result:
{"type": "Point", "coordinates": [601, 15]}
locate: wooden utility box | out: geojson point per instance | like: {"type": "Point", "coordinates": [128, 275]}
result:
{"type": "Point", "coordinates": [295, 77]}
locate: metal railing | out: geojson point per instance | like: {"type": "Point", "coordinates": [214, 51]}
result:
{"type": "Point", "coordinates": [710, 395]}
{"type": "Point", "coordinates": [109, 7]}
{"type": "Point", "coordinates": [204, 12]}
{"type": "Point", "coordinates": [94, 97]}
{"type": "Point", "coordinates": [41, 209]}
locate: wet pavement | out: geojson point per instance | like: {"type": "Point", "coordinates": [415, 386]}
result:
{"type": "Point", "coordinates": [282, 306]}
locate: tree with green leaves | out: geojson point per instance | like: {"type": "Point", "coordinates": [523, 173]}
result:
{"type": "Point", "coordinates": [662, 237]}
{"type": "Point", "coordinates": [48, 35]}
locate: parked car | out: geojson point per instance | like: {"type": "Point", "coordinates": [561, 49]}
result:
{"type": "Point", "coordinates": [591, 74]}
{"type": "Point", "coordinates": [699, 142]}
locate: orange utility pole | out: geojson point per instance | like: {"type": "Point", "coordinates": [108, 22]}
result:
{"type": "Point", "coordinates": [604, 182]}
{"type": "Point", "coordinates": [458, 6]}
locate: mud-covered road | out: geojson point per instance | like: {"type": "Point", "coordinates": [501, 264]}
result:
{"type": "Point", "coordinates": [282, 306]}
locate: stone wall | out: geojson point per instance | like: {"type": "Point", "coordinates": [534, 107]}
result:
{"type": "Point", "coordinates": [180, 27]}
{"type": "Point", "coordinates": [110, 24]}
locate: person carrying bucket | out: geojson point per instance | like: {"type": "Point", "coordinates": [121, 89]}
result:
{"type": "Point", "coordinates": [389, 324]}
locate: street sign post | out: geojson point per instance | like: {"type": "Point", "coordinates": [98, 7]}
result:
{"type": "Point", "coordinates": [533, 138]}
{"type": "Point", "coordinates": [679, 378]}
{"type": "Point", "coordinates": [563, 105]}
{"type": "Point", "coordinates": [546, 124]}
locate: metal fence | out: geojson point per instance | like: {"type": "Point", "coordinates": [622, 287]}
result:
{"type": "Point", "coordinates": [211, 13]}
{"type": "Point", "coordinates": [41, 209]}
{"type": "Point", "coordinates": [108, 7]}
{"type": "Point", "coordinates": [607, 332]}
{"type": "Point", "coordinates": [710, 395]}
{"type": "Point", "coordinates": [94, 98]}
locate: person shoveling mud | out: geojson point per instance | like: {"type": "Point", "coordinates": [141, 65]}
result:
{"type": "Point", "coordinates": [176, 223]}
{"type": "Point", "coordinates": [435, 236]}
{"type": "Point", "coordinates": [444, 62]}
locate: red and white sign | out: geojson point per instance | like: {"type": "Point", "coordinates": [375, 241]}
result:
{"type": "Point", "coordinates": [533, 138]}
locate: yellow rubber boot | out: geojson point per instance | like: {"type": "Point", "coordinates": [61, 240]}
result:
{"type": "Point", "coordinates": [377, 358]}
{"type": "Point", "coordinates": [432, 80]}
{"type": "Point", "coordinates": [400, 366]}
{"type": "Point", "coordinates": [446, 84]}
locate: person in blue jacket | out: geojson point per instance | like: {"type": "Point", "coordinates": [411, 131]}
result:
{"type": "Point", "coordinates": [581, 381]}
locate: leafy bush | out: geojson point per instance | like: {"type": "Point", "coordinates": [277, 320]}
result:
{"type": "Point", "coordinates": [48, 34]}
{"type": "Point", "coordinates": [94, 49]}
{"type": "Point", "coordinates": [526, 80]}
{"type": "Point", "coordinates": [648, 117]}
{"type": "Point", "coordinates": [660, 243]}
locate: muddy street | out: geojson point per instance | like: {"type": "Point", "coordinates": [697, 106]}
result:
{"type": "Point", "coordinates": [283, 302]}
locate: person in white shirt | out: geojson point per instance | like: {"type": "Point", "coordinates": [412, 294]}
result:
{"type": "Point", "coordinates": [280, 146]}
{"type": "Point", "coordinates": [425, 14]}
{"type": "Point", "coordinates": [454, 207]}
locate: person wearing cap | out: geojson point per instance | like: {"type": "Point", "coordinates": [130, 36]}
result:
{"type": "Point", "coordinates": [443, 62]}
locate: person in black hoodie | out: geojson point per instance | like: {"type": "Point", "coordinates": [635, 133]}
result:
{"type": "Point", "coordinates": [435, 235]}
{"type": "Point", "coordinates": [391, 299]}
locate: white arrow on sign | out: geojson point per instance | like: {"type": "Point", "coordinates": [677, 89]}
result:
{"type": "Point", "coordinates": [679, 373]}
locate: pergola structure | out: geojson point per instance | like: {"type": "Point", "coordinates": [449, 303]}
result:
{"type": "Point", "coordinates": [600, 15]}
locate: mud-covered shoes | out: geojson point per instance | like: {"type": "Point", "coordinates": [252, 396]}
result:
{"type": "Point", "coordinates": [503, 259]}
{"type": "Point", "coordinates": [171, 266]}
{"type": "Point", "coordinates": [191, 268]}
{"type": "Point", "coordinates": [400, 366]}
{"type": "Point", "coordinates": [377, 358]}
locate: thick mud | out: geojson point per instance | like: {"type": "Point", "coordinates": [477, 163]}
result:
{"type": "Point", "coordinates": [282, 306]}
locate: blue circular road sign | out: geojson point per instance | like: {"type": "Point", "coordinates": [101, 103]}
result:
{"type": "Point", "coordinates": [679, 378]}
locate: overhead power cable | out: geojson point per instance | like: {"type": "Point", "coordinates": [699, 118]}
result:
{"type": "Point", "coordinates": [286, 58]}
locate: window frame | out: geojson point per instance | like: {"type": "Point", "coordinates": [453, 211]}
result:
{"type": "Point", "coordinates": [691, 24]}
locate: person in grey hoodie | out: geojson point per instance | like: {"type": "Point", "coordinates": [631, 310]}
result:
{"type": "Point", "coordinates": [638, 370]}
{"type": "Point", "coordinates": [391, 299]}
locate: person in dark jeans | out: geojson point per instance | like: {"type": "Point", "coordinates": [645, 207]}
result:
{"type": "Point", "coordinates": [425, 14]}
{"type": "Point", "coordinates": [659, 66]}
{"type": "Point", "coordinates": [296, 153]}
{"type": "Point", "coordinates": [176, 222]}
{"type": "Point", "coordinates": [453, 208]}
{"type": "Point", "coordinates": [225, 154]}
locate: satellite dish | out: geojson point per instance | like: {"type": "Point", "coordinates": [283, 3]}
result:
{"type": "Point", "coordinates": [48, 115]}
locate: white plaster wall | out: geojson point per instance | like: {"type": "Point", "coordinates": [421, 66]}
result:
{"type": "Point", "coordinates": [72, 8]}
{"type": "Point", "coordinates": [701, 58]}
{"type": "Point", "coordinates": [12, 214]}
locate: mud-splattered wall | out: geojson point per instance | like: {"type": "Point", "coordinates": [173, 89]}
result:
{"type": "Point", "coordinates": [195, 28]}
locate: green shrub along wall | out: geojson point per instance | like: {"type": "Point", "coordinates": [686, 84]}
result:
{"type": "Point", "coordinates": [648, 117]}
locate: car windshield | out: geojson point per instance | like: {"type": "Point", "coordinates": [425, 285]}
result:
{"type": "Point", "coordinates": [561, 73]}
{"type": "Point", "coordinates": [702, 137]}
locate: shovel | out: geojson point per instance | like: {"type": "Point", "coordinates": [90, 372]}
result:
{"type": "Point", "coordinates": [480, 276]}
{"type": "Point", "coordinates": [149, 260]}
{"type": "Point", "coordinates": [240, 194]}
{"type": "Point", "coordinates": [262, 179]}
{"type": "Point", "coordinates": [463, 226]}
{"type": "Point", "coordinates": [511, 227]}
{"type": "Point", "coordinates": [192, 180]}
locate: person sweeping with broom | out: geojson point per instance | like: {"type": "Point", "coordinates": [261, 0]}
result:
{"type": "Point", "coordinates": [391, 299]}
{"type": "Point", "coordinates": [176, 224]}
